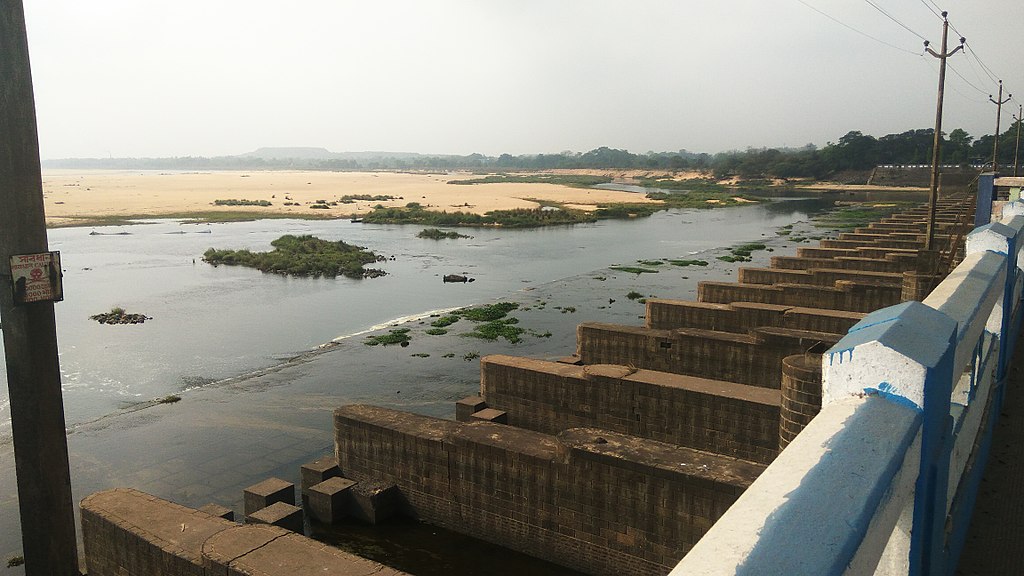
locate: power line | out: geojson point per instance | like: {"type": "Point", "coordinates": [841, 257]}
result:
{"type": "Point", "coordinates": [987, 70]}
{"type": "Point", "coordinates": [893, 18]}
{"type": "Point", "coordinates": [968, 97]}
{"type": "Point", "coordinates": [865, 34]}
{"type": "Point", "coordinates": [977, 74]}
{"type": "Point", "coordinates": [930, 9]}
{"type": "Point", "coordinates": [969, 83]}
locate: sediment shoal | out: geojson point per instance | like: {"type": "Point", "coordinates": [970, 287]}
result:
{"type": "Point", "coordinates": [78, 196]}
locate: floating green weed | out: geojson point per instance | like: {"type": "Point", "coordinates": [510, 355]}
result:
{"type": "Point", "coordinates": [396, 336]}
{"type": "Point", "coordinates": [633, 269]}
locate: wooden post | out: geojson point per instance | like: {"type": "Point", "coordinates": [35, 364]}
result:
{"type": "Point", "coordinates": [29, 331]}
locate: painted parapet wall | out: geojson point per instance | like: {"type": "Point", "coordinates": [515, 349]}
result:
{"type": "Point", "coordinates": [712, 415]}
{"type": "Point", "coordinates": [910, 396]}
{"type": "Point", "coordinates": [597, 501]}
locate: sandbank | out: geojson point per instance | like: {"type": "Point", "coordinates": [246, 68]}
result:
{"type": "Point", "coordinates": [85, 197]}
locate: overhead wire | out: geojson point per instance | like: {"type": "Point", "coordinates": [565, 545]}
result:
{"type": "Point", "coordinates": [968, 82]}
{"type": "Point", "coordinates": [984, 67]}
{"type": "Point", "coordinates": [932, 10]}
{"type": "Point", "coordinates": [894, 19]}
{"type": "Point", "coordinates": [862, 33]}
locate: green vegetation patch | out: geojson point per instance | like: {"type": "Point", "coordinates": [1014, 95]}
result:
{"type": "Point", "coordinates": [849, 217]}
{"type": "Point", "coordinates": [688, 262]}
{"type": "Point", "coordinates": [686, 184]}
{"type": "Point", "coordinates": [436, 331]}
{"type": "Point", "coordinates": [414, 213]}
{"type": "Point", "coordinates": [744, 250]}
{"type": "Point", "coordinates": [398, 336]}
{"type": "Point", "coordinates": [574, 180]}
{"type": "Point", "coordinates": [444, 321]}
{"type": "Point", "coordinates": [303, 256]}
{"type": "Point", "coordinates": [633, 295]}
{"type": "Point", "coordinates": [437, 234]}
{"type": "Point", "coordinates": [352, 198]}
{"type": "Point", "coordinates": [633, 269]}
{"type": "Point", "coordinates": [486, 313]}
{"type": "Point", "coordinates": [235, 202]}
{"type": "Point", "coordinates": [650, 262]}
{"type": "Point", "coordinates": [690, 199]}
{"type": "Point", "coordinates": [505, 328]}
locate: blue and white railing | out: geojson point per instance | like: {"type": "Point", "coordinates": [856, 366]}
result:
{"type": "Point", "coordinates": [883, 480]}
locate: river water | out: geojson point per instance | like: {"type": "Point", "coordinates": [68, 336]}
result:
{"type": "Point", "coordinates": [214, 323]}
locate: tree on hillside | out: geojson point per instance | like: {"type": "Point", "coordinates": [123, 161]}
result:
{"type": "Point", "coordinates": [958, 149]}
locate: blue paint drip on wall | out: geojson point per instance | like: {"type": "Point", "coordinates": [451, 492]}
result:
{"type": "Point", "coordinates": [892, 394]}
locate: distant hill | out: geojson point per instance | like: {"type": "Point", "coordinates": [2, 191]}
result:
{"type": "Point", "coordinates": [267, 158]}
{"type": "Point", "coordinates": [311, 153]}
{"type": "Point", "coordinates": [297, 153]}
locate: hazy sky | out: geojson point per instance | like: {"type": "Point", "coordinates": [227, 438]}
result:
{"type": "Point", "coordinates": [217, 77]}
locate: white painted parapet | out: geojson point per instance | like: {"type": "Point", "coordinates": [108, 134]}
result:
{"type": "Point", "coordinates": [882, 481]}
{"type": "Point", "coordinates": [830, 502]}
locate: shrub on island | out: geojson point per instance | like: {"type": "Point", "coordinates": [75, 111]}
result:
{"type": "Point", "coordinates": [303, 256]}
{"type": "Point", "coordinates": [243, 202]}
{"type": "Point", "coordinates": [437, 234]}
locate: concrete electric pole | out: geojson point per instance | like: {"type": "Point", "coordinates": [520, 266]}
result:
{"type": "Point", "coordinates": [999, 110]}
{"type": "Point", "coordinates": [29, 327]}
{"type": "Point", "coordinates": [933, 189]}
{"type": "Point", "coordinates": [1016, 148]}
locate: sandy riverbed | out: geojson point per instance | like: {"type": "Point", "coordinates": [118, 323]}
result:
{"type": "Point", "coordinates": [78, 196]}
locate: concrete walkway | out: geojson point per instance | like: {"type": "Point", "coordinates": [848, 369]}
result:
{"type": "Point", "coordinates": [996, 536]}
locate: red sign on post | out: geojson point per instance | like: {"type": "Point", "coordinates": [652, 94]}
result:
{"type": "Point", "coordinates": [37, 278]}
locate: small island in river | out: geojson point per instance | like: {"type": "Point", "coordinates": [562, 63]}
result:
{"type": "Point", "coordinates": [303, 256]}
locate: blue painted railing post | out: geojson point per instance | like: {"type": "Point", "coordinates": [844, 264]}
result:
{"type": "Point", "coordinates": [928, 337]}
{"type": "Point", "coordinates": [986, 194]}
{"type": "Point", "coordinates": [928, 540]}
{"type": "Point", "coordinates": [1002, 239]}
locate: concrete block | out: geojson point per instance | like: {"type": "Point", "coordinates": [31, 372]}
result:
{"type": "Point", "coordinates": [329, 500]}
{"type": "Point", "coordinates": [374, 502]}
{"type": "Point", "coordinates": [278, 514]}
{"type": "Point", "coordinates": [219, 511]}
{"type": "Point", "coordinates": [465, 408]}
{"type": "Point", "coordinates": [491, 415]}
{"type": "Point", "coordinates": [268, 492]}
{"type": "Point", "coordinates": [317, 471]}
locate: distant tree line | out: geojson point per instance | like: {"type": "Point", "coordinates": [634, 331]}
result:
{"type": "Point", "coordinates": [854, 151]}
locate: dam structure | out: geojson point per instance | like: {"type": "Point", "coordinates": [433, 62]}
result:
{"type": "Point", "coordinates": [830, 413]}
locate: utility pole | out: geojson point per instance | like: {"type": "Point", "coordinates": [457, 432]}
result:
{"type": "Point", "coordinates": [999, 110]}
{"type": "Point", "coordinates": [1016, 149]}
{"type": "Point", "coordinates": [933, 195]}
{"type": "Point", "coordinates": [29, 328]}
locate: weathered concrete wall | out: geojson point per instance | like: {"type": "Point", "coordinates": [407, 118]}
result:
{"type": "Point", "coordinates": [815, 276]}
{"type": "Point", "coordinates": [754, 358]}
{"type": "Point", "coordinates": [740, 317]}
{"type": "Point", "coordinates": [845, 295]}
{"type": "Point", "coordinates": [801, 395]}
{"type": "Point", "coordinates": [597, 501]}
{"type": "Point", "coordinates": [712, 415]}
{"type": "Point", "coordinates": [130, 533]}
{"type": "Point", "coordinates": [894, 265]}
